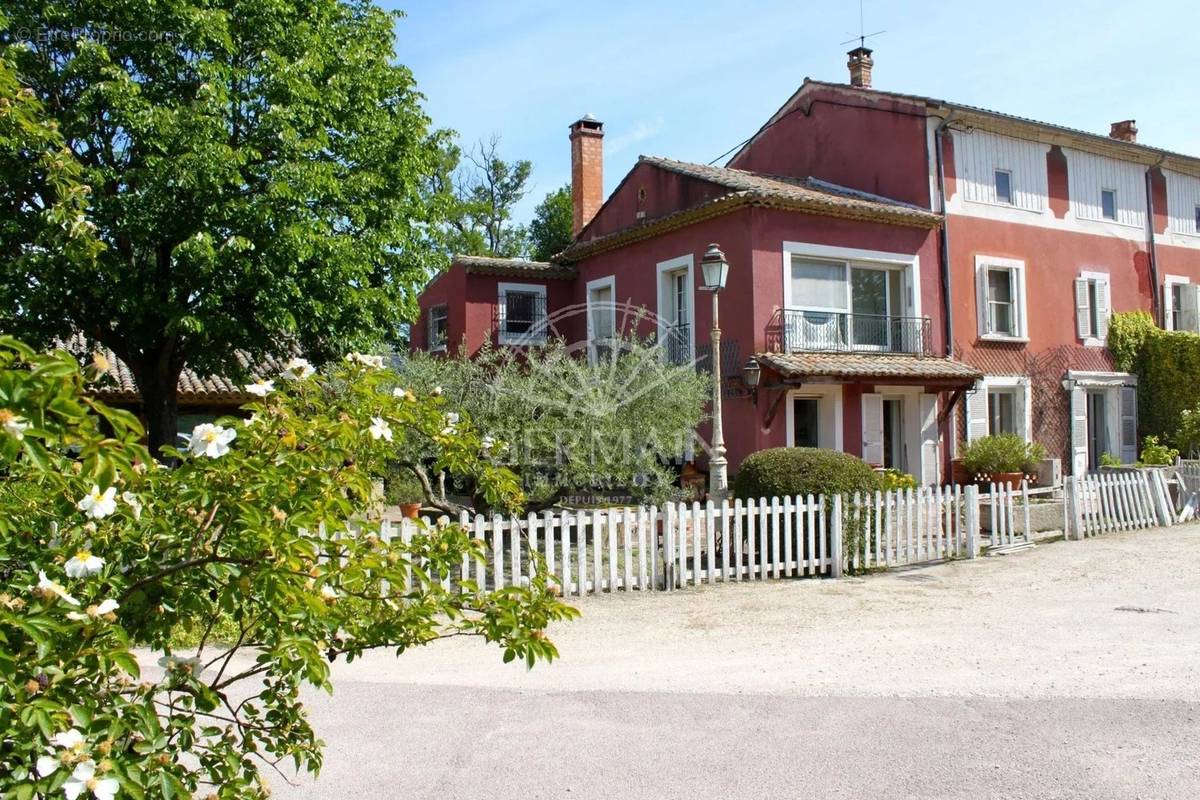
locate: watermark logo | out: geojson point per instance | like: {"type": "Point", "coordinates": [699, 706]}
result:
{"type": "Point", "coordinates": [45, 35]}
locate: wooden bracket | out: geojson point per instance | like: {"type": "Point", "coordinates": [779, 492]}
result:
{"type": "Point", "coordinates": [950, 404]}
{"type": "Point", "coordinates": [774, 405]}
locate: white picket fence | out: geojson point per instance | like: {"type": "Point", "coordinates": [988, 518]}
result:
{"type": "Point", "coordinates": [679, 545]}
{"type": "Point", "coordinates": [1122, 501]}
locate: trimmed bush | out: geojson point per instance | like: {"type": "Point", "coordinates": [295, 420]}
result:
{"type": "Point", "coordinates": [784, 471]}
{"type": "Point", "coordinates": [1005, 452]}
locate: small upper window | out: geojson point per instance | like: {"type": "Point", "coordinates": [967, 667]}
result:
{"type": "Point", "coordinates": [1197, 219]}
{"type": "Point", "coordinates": [1108, 204]}
{"type": "Point", "coordinates": [1004, 186]}
{"type": "Point", "coordinates": [438, 327]}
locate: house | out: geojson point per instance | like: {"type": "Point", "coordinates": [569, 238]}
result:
{"type": "Point", "coordinates": [906, 273]}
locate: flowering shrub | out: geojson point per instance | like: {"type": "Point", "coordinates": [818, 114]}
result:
{"type": "Point", "coordinates": [258, 529]}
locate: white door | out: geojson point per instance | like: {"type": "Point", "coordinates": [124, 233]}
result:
{"type": "Point", "coordinates": [872, 429]}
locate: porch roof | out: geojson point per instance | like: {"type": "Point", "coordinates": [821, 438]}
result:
{"type": "Point", "coordinates": [870, 368]}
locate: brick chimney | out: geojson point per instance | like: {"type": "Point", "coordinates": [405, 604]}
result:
{"type": "Point", "coordinates": [1124, 131]}
{"type": "Point", "coordinates": [587, 170]}
{"type": "Point", "coordinates": [860, 64]}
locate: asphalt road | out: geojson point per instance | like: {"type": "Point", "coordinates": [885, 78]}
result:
{"type": "Point", "coordinates": [1069, 671]}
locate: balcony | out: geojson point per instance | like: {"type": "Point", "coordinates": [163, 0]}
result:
{"type": "Point", "coordinates": [797, 330]}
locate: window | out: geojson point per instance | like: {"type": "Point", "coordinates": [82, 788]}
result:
{"type": "Point", "coordinates": [602, 317]}
{"type": "Point", "coordinates": [1108, 204]}
{"type": "Point", "coordinates": [439, 331]}
{"type": "Point", "coordinates": [522, 312]}
{"type": "Point", "coordinates": [675, 334]}
{"type": "Point", "coordinates": [1181, 304]}
{"type": "Point", "coordinates": [1000, 286]}
{"type": "Point", "coordinates": [819, 284]}
{"type": "Point", "coordinates": [1092, 307]}
{"type": "Point", "coordinates": [1002, 416]}
{"type": "Point", "coordinates": [1003, 182]}
{"type": "Point", "coordinates": [1197, 220]}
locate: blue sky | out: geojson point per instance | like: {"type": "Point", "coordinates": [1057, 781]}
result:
{"type": "Point", "coordinates": [690, 80]}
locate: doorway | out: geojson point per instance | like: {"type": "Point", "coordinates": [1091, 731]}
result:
{"type": "Point", "coordinates": [1097, 427]}
{"type": "Point", "coordinates": [894, 451]}
{"type": "Point", "coordinates": [806, 422]}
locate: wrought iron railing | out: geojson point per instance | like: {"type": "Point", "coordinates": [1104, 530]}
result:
{"type": "Point", "coordinates": [677, 343]}
{"type": "Point", "coordinates": [797, 330]}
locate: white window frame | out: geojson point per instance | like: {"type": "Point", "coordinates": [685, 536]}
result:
{"type": "Point", "coordinates": [537, 336]}
{"type": "Point", "coordinates": [851, 257]}
{"type": "Point", "coordinates": [664, 271]}
{"type": "Point", "coordinates": [1022, 387]}
{"type": "Point", "coordinates": [996, 189]}
{"type": "Point", "coordinates": [1098, 277]}
{"type": "Point", "coordinates": [1169, 284]}
{"type": "Point", "coordinates": [1020, 306]}
{"type": "Point", "coordinates": [437, 347]}
{"type": "Point", "coordinates": [828, 393]}
{"type": "Point", "coordinates": [608, 282]}
{"type": "Point", "coordinates": [1116, 205]}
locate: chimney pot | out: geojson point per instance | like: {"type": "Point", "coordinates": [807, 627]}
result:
{"type": "Point", "coordinates": [1124, 131]}
{"type": "Point", "coordinates": [860, 64]}
{"type": "Point", "coordinates": [587, 170]}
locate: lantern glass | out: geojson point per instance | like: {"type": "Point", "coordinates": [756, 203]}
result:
{"type": "Point", "coordinates": [715, 269]}
{"type": "Point", "coordinates": [752, 372]}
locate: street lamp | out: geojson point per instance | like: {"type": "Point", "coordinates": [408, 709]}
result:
{"type": "Point", "coordinates": [716, 271]}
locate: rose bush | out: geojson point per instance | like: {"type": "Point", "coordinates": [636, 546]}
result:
{"type": "Point", "coordinates": [258, 529]}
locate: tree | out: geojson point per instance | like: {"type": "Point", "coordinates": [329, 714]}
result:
{"type": "Point", "coordinates": [250, 565]}
{"type": "Point", "coordinates": [574, 424]}
{"type": "Point", "coordinates": [486, 189]}
{"type": "Point", "coordinates": [257, 183]}
{"type": "Point", "coordinates": [550, 231]}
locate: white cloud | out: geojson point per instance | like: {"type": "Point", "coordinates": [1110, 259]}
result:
{"type": "Point", "coordinates": [643, 130]}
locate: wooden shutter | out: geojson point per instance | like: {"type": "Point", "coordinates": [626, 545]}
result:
{"type": "Point", "coordinates": [1079, 444]}
{"type": "Point", "coordinates": [872, 428]}
{"type": "Point", "coordinates": [1103, 310]}
{"type": "Point", "coordinates": [1083, 317]}
{"type": "Point", "coordinates": [981, 296]}
{"type": "Point", "coordinates": [1128, 424]}
{"type": "Point", "coordinates": [1190, 312]}
{"type": "Point", "coordinates": [930, 461]}
{"type": "Point", "coordinates": [977, 412]}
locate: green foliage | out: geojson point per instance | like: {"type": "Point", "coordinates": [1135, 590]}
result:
{"type": "Point", "coordinates": [1187, 433]}
{"type": "Point", "coordinates": [1127, 333]}
{"type": "Point", "coordinates": [400, 485]}
{"type": "Point", "coordinates": [1155, 454]}
{"type": "Point", "coordinates": [782, 471]}
{"type": "Point", "coordinates": [550, 231]}
{"type": "Point", "coordinates": [257, 538]}
{"type": "Point", "coordinates": [1109, 460]}
{"type": "Point", "coordinates": [257, 174]}
{"type": "Point", "coordinates": [572, 425]}
{"type": "Point", "coordinates": [1005, 452]}
{"type": "Point", "coordinates": [486, 189]}
{"type": "Point", "coordinates": [892, 479]}
{"type": "Point", "coordinates": [1167, 364]}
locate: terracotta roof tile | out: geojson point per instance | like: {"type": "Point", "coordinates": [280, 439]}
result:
{"type": "Point", "coordinates": [865, 366]}
{"type": "Point", "coordinates": [488, 265]}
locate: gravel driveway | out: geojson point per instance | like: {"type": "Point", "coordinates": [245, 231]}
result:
{"type": "Point", "coordinates": [1070, 670]}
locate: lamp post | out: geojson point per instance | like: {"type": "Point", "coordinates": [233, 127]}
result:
{"type": "Point", "coordinates": [716, 270]}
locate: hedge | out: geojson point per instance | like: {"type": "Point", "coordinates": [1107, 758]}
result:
{"type": "Point", "coordinates": [783, 471]}
{"type": "Point", "coordinates": [1167, 364]}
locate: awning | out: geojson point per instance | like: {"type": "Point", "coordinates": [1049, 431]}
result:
{"type": "Point", "coordinates": [870, 368]}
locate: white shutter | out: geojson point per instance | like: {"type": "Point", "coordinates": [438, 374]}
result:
{"type": "Point", "coordinates": [1023, 410]}
{"type": "Point", "coordinates": [1103, 310]}
{"type": "Point", "coordinates": [1190, 313]}
{"type": "Point", "coordinates": [1168, 321]}
{"type": "Point", "coordinates": [1083, 317]}
{"type": "Point", "coordinates": [1079, 427]}
{"type": "Point", "coordinates": [977, 412]}
{"type": "Point", "coordinates": [981, 306]}
{"type": "Point", "coordinates": [930, 461]}
{"type": "Point", "coordinates": [1128, 424]}
{"type": "Point", "coordinates": [872, 428]}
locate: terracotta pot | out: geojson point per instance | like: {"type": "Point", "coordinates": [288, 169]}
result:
{"type": "Point", "coordinates": [1010, 479]}
{"type": "Point", "coordinates": [410, 510]}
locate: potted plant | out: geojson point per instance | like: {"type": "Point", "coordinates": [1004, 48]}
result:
{"type": "Point", "coordinates": [1004, 459]}
{"type": "Point", "coordinates": [401, 488]}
